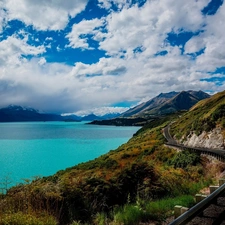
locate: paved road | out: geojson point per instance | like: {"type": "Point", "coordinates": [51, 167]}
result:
{"type": "Point", "coordinates": [167, 135]}
{"type": "Point", "coordinates": [171, 142]}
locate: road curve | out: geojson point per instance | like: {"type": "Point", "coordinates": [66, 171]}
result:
{"type": "Point", "coordinates": [220, 154]}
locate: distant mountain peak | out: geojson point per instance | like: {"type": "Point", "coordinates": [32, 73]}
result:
{"type": "Point", "coordinates": [172, 93]}
{"type": "Point", "coordinates": [165, 103]}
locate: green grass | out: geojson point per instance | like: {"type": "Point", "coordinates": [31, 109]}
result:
{"type": "Point", "coordinates": [132, 214]}
{"type": "Point", "coordinates": [129, 215]}
{"type": "Point", "coordinates": [161, 209]}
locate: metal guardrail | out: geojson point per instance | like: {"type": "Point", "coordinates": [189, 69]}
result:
{"type": "Point", "coordinates": [198, 208]}
{"type": "Point", "coordinates": [219, 154]}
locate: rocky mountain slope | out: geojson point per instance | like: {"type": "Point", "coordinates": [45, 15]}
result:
{"type": "Point", "coordinates": [149, 105]}
{"type": "Point", "coordinates": [204, 124]}
{"type": "Point", "coordinates": [166, 103]}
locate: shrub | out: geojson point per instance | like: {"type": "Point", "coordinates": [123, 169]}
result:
{"type": "Point", "coordinates": [109, 164]}
{"type": "Point", "coordinates": [184, 159]}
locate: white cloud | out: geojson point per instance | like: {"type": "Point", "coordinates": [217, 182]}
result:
{"type": "Point", "coordinates": [77, 36]}
{"type": "Point", "coordinates": [101, 111]}
{"type": "Point", "coordinates": [42, 14]}
{"type": "Point", "coordinates": [2, 16]}
{"type": "Point", "coordinates": [214, 39]}
{"type": "Point", "coordinates": [195, 44]}
{"type": "Point", "coordinates": [127, 75]}
{"type": "Point", "coordinates": [105, 66]}
{"type": "Point", "coordinates": [12, 49]}
{"type": "Point", "coordinates": [148, 26]}
{"type": "Point", "coordinates": [42, 61]}
{"type": "Point", "coordinates": [118, 3]}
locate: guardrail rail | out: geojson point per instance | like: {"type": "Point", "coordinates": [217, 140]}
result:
{"type": "Point", "coordinates": [200, 207]}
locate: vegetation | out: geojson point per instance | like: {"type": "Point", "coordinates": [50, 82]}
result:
{"type": "Point", "coordinates": [142, 180]}
{"type": "Point", "coordinates": [204, 116]}
{"type": "Point", "coordinates": [184, 159]}
{"type": "Point", "coordinates": [143, 211]}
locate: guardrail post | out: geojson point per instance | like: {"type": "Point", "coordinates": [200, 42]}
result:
{"type": "Point", "coordinates": [183, 210]}
{"type": "Point", "coordinates": [213, 188]}
{"type": "Point", "coordinates": [203, 197]}
{"type": "Point", "coordinates": [198, 198]}
{"type": "Point", "coordinates": [177, 211]}
{"type": "Point", "coordinates": [221, 181]}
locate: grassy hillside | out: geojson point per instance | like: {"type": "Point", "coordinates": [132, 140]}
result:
{"type": "Point", "coordinates": [204, 116]}
{"type": "Point", "coordinates": [125, 186]}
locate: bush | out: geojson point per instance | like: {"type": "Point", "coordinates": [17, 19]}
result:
{"type": "Point", "coordinates": [184, 159]}
{"type": "Point", "coordinates": [109, 164]}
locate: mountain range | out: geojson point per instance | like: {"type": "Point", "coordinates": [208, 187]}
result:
{"type": "Point", "coordinates": [161, 105]}
{"type": "Point", "coordinates": [15, 113]}
{"type": "Point", "coordinates": [164, 103]}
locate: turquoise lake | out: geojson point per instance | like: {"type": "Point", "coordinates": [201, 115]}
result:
{"type": "Point", "coordinates": [42, 148]}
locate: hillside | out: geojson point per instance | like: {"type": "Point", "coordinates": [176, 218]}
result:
{"type": "Point", "coordinates": [121, 122]}
{"type": "Point", "coordinates": [135, 177]}
{"type": "Point", "coordinates": [204, 124]}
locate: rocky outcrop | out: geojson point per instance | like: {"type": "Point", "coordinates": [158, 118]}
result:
{"type": "Point", "coordinates": [213, 139]}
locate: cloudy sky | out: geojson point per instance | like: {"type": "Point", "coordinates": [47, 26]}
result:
{"type": "Point", "coordinates": [67, 56]}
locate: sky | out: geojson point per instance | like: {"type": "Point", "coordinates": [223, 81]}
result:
{"type": "Point", "coordinates": [103, 56]}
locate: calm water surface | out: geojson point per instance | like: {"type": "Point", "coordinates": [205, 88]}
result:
{"type": "Point", "coordinates": [43, 148]}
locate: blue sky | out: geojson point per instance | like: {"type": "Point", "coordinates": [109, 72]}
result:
{"type": "Point", "coordinates": [104, 56]}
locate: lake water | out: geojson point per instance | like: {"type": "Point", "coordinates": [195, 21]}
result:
{"type": "Point", "coordinates": [42, 148]}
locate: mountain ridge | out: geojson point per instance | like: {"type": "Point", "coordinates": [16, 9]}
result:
{"type": "Point", "coordinates": [166, 103]}
{"type": "Point", "coordinates": [159, 106]}
{"type": "Point", "coordinates": [16, 113]}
